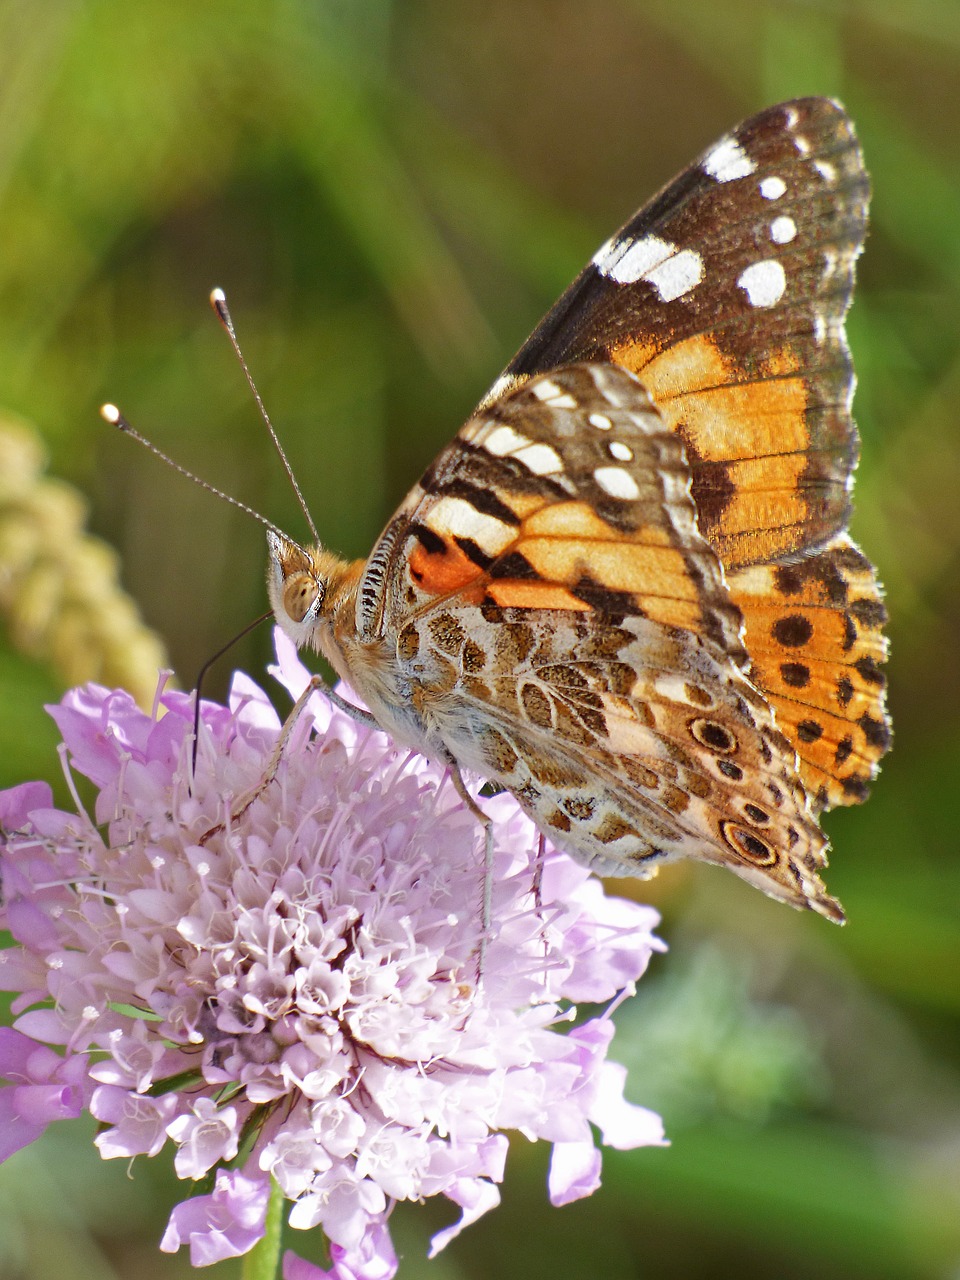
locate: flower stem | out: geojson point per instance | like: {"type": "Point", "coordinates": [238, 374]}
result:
{"type": "Point", "coordinates": [263, 1260]}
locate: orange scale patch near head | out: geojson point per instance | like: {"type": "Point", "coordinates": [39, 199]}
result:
{"type": "Point", "coordinates": [443, 571]}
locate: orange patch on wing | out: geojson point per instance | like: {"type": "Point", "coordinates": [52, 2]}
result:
{"type": "Point", "coordinates": [622, 566]}
{"type": "Point", "coordinates": [768, 498]}
{"type": "Point", "coordinates": [517, 593]}
{"type": "Point", "coordinates": [817, 652]}
{"type": "Point", "coordinates": [672, 613]}
{"type": "Point", "coordinates": [745, 420]}
{"type": "Point", "coordinates": [523, 505]}
{"type": "Point", "coordinates": [567, 520]}
{"type": "Point", "coordinates": [441, 572]}
{"type": "Point", "coordinates": [694, 383]}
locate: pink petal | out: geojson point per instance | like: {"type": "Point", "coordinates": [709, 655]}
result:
{"type": "Point", "coordinates": [476, 1197]}
{"type": "Point", "coordinates": [17, 802]}
{"type": "Point", "coordinates": [224, 1224]}
{"type": "Point", "coordinates": [624, 1125]}
{"type": "Point", "coordinates": [574, 1172]}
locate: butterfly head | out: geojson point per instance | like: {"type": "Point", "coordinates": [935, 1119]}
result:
{"type": "Point", "coordinates": [307, 588]}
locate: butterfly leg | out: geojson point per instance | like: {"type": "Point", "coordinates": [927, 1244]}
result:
{"type": "Point", "coordinates": [316, 684]}
{"type": "Point", "coordinates": [538, 872]}
{"type": "Point", "coordinates": [486, 823]}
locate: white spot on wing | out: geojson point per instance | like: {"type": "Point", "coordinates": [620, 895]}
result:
{"type": "Point", "coordinates": [604, 255]}
{"type": "Point", "coordinates": [617, 482]}
{"type": "Point", "coordinates": [540, 459]}
{"type": "Point", "coordinates": [763, 283]}
{"type": "Point", "coordinates": [728, 161]}
{"type": "Point", "coordinates": [826, 170]}
{"type": "Point", "coordinates": [657, 261]}
{"type": "Point", "coordinates": [552, 395]}
{"type": "Point", "coordinates": [802, 145]}
{"type": "Point", "coordinates": [677, 275]}
{"type": "Point", "coordinates": [632, 259]}
{"type": "Point", "coordinates": [600, 421]}
{"type": "Point", "coordinates": [622, 452]}
{"type": "Point", "coordinates": [772, 188]}
{"type": "Point", "coordinates": [673, 689]}
{"type": "Point", "coordinates": [506, 382]}
{"type": "Point", "coordinates": [456, 517]}
{"type": "Point", "coordinates": [504, 440]}
{"type": "Point", "coordinates": [783, 229]}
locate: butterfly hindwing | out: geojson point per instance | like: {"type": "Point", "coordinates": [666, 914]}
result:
{"type": "Point", "coordinates": [814, 632]}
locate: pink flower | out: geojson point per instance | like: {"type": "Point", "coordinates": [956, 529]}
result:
{"type": "Point", "coordinates": [224, 1224]}
{"type": "Point", "coordinates": [299, 982]}
{"type": "Point", "coordinates": [43, 1087]}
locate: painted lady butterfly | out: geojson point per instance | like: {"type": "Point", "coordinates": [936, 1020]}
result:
{"type": "Point", "coordinates": [625, 592]}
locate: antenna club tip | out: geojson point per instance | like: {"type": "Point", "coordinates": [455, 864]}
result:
{"type": "Point", "coordinates": [110, 413]}
{"type": "Point", "coordinates": [218, 300]}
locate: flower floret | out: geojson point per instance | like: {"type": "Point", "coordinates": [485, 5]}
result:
{"type": "Point", "coordinates": [281, 978]}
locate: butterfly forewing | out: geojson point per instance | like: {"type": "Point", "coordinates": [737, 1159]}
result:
{"type": "Point", "coordinates": [571, 636]}
{"type": "Point", "coordinates": [726, 294]}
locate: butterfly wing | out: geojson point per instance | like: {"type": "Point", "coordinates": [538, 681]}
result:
{"type": "Point", "coordinates": [562, 627]}
{"type": "Point", "coordinates": [726, 295]}
{"type": "Point", "coordinates": [814, 631]}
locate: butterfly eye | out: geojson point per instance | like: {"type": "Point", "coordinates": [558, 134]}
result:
{"type": "Point", "coordinates": [302, 596]}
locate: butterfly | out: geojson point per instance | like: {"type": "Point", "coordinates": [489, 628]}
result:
{"type": "Point", "coordinates": [625, 592]}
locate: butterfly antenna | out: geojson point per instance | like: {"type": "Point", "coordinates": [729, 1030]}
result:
{"type": "Point", "coordinates": [218, 301]}
{"type": "Point", "coordinates": [110, 413]}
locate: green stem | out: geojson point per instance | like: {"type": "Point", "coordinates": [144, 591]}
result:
{"type": "Point", "coordinates": [263, 1260]}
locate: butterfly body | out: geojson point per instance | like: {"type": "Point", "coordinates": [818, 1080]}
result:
{"type": "Point", "coordinates": [625, 591]}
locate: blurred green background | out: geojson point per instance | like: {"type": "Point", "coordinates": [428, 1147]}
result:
{"type": "Point", "coordinates": [391, 195]}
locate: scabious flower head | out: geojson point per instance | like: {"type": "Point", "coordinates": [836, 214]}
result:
{"type": "Point", "coordinates": [289, 990]}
